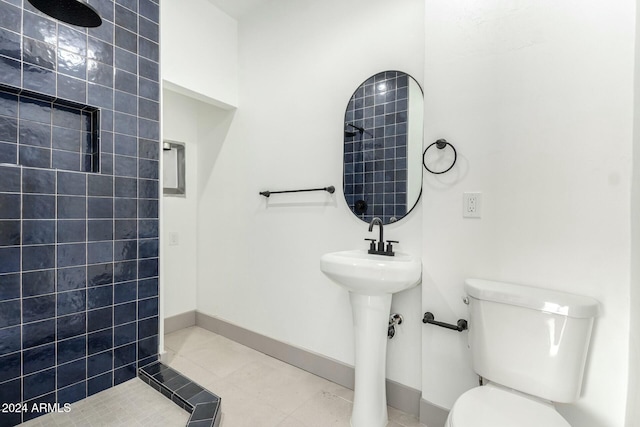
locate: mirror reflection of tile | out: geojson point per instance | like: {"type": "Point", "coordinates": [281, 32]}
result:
{"type": "Point", "coordinates": [375, 148]}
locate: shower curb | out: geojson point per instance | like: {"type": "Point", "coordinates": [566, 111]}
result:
{"type": "Point", "coordinates": [203, 405]}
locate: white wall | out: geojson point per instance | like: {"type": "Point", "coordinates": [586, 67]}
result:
{"type": "Point", "coordinates": [180, 123]}
{"type": "Point", "coordinates": [633, 398]}
{"type": "Point", "coordinates": [199, 51]}
{"type": "Point", "coordinates": [299, 62]}
{"type": "Point", "coordinates": [202, 128]}
{"type": "Point", "coordinates": [537, 96]}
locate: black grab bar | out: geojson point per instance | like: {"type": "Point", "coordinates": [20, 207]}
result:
{"type": "Point", "coordinates": [460, 326]}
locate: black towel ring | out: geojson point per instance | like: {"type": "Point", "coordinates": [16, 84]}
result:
{"type": "Point", "coordinates": [440, 145]}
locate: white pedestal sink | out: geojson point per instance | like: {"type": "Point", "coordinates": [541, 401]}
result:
{"type": "Point", "coordinates": [371, 280]}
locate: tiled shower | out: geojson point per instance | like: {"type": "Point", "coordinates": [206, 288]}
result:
{"type": "Point", "coordinates": [79, 150]}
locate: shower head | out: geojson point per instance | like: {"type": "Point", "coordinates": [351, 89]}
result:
{"type": "Point", "coordinates": [74, 12]}
{"type": "Point", "coordinates": [360, 129]}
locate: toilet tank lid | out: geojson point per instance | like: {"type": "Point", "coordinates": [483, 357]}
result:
{"type": "Point", "coordinates": [534, 298]}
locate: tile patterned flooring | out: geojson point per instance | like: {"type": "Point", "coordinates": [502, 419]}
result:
{"type": "Point", "coordinates": [256, 391]}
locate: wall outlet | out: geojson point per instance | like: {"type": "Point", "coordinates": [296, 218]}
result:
{"type": "Point", "coordinates": [173, 239]}
{"type": "Point", "coordinates": [472, 205]}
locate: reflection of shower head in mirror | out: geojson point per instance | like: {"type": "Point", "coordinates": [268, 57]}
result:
{"type": "Point", "coordinates": [356, 127]}
{"type": "Point", "coordinates": [360, 129]}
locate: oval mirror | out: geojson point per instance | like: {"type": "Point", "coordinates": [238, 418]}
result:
{"type": "Point", "coordinates": [383, 147]}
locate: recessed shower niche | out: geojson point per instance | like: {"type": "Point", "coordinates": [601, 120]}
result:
{"type": "Point", "coordinates": [41, 131]}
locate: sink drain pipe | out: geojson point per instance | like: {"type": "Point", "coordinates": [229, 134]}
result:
{"type": "Point", "coordinates": [394, 319]}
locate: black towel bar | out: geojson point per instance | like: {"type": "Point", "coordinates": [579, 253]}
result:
{"type": "Point", "coordinates": [331, 189]}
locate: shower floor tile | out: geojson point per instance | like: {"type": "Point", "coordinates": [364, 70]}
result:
{"type": "Point", "coordinates": [132, 403]}
{"type": "Point", "coordinates": [257, 390]}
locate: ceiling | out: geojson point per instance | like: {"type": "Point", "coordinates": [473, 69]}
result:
{"type": "Point", "coordinates": [237, 8]}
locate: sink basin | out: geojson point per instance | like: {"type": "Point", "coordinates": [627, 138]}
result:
{"type": "Point", "coordinates": [367, 274]}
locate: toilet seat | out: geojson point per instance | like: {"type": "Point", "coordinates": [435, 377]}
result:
{"type": "Point", "coordinates": [494, 406]}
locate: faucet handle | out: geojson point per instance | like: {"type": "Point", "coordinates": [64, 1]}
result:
{"type": "Point", "coordinates": [372, 244]}
{"type": "Point", "coordinates": [389, 249]}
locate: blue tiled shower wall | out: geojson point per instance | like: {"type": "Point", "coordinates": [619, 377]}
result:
{"type": "Point", "coordinates": [375, 162]}
{"type": "Point", "coordinates": [78, 247]}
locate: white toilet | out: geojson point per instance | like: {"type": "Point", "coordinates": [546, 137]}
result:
{"type": "Point", "coordinates": [530, 346]}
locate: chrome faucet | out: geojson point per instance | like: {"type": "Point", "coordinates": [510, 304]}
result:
{"type": "Point", "coordinates": [380, 249]}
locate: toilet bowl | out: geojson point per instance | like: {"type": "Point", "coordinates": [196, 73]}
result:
{"type": "Point", "coordinates": [495, 406]}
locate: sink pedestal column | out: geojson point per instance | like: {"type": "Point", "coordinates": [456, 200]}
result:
{"type": "Point", "coordinates": [370, 321]}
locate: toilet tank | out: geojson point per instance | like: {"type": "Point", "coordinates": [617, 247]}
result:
{"type": "Point", "coordinates": [530, 339]}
